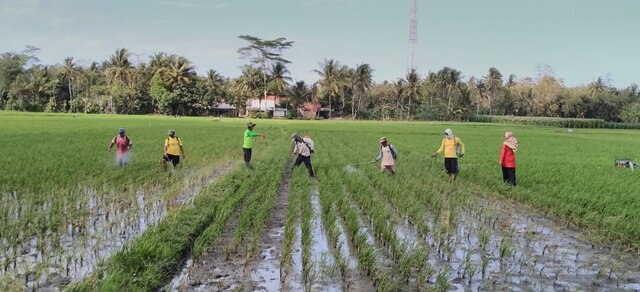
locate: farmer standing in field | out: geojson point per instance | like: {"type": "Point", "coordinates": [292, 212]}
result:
{"type": "Point", "coordinates": [173, 149]}
{"type": "Point", "coordinates": [247, 145]}
{"type": "Point", "coordinates": [388, 153]}
{"type": "Point", "coordinates": [508, 158]}
{"type": "Point", "coordinates": [453, 149]}
{"type": "Point", "coordinates": [303, 149]}
{"type": "Point", "coordinates": [123, 146]}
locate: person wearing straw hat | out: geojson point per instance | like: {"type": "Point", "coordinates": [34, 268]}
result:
{"type": "Point", "coordinates": [303, 149]}
{"type": "Point", "coordinates": [247, 144]}
{"type": "Point", "coordinates": [453, 149]}
{"type": "Point", "coordinates": [123, 146]}
{"type": "Point", "coordinates": [508, 158]}
{"type": "Point", "coordinates": [173, 150]}
{"type": "Point", "coordinates": [388, 154]}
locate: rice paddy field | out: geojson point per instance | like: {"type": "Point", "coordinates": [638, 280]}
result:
{"type": "Point", "coordinates": [72, 220]}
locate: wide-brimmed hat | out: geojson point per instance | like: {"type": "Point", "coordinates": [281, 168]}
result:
{"type": "Point", "coordinates": [171, 132]}
{"type": "Point", "coordinates": [250, 125]}
{"type": "Point", "coordinates": [383, 139]}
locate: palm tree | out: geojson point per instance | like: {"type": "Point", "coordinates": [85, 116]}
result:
{"type": "Point", "coordinates": [412, 89]}
{"type": "Point", "coordinates": [447, 80]}
{"type": "Point", "coordinates": [249, 83]}
{"type": "Point", "coordinates": [298, 94]}
{"type": "Point", "coordinates": [159, 63]}
{"type": "Point", "coordinates": [482, 92]}
{"type": "Point", "coordinates": [330, 80]}
{"type": "Point", "coordinates": [214, 83]}
{"type": "Point", "coordinates": [399, 90]}
{"type": "Point", "coordinates": [180, 71]}
{"type": "Point", "coordinates": [279, 79]}
{"type": "Point", "coordinates": [597, 87]}
{"type": "Point", "coordinates": [119, 67]}
{"type": "Point", "coordinates": [493, 82]}
{"type": "Point", "coordinates": [70, 74]}
{"type": "Point", "coordinates": [362, 81]}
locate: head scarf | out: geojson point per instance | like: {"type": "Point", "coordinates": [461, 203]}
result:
{"type": "Point", "coordinates": [448, 133]}
{"type": "Point", "coordinates": [510, 141]}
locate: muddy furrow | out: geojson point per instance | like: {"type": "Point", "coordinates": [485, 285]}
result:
{"type": "Point", "coordinates": [218, 269]}
{"type": "Point", "coordinates": [264, 272]}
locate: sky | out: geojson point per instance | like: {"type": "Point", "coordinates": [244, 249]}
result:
{"type": "Point", "coordinates": [579, 40]}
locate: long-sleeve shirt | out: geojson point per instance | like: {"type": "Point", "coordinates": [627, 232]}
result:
{"type": "Point", "coordinates": [386, 155]}
{"type": "Point", "coordinates": [507, 157]}
{"type": "Point", "coordinates": [449, 147]}
{"type": "Point", "coordinates": [302, 149]}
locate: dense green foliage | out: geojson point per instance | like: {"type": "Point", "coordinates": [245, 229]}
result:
{"type": "Point", "coordinates": [168, 84]}
{"type": "Point", "coordinates": [557, 122]}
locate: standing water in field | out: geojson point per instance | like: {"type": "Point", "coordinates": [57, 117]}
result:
{"type": "Point", "coordinates": [96, 226]}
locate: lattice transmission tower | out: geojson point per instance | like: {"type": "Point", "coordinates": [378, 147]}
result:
{"type": "Point", "coordinates": [413, 37]}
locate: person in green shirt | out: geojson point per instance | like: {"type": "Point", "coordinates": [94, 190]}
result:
{"type": "Point", "coordinates": [247, 145]}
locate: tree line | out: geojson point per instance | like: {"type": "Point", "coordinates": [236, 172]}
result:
{"type": "Point", "coordinates": [168, 84]}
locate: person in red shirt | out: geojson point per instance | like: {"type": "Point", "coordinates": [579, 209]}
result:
{"type": "Point", "coordinates": [508, 158]}
{"type": "Point", "coordinates": [123, 145]}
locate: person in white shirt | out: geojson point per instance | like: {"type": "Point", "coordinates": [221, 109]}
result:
{"type": "Point", "coordinates": [387, 154]}
{"type": "Point", "coordinates": [303, 149]}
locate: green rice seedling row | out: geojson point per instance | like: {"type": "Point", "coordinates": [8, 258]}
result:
{"type": "Point", "coordinates": [74, 220]}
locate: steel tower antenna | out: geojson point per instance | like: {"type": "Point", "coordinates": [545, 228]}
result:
{"type": "Point", "coordinates": [413, 37]}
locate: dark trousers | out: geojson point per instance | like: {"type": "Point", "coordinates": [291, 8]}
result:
{"type": "Point", "coordinates": [509, 175]}
{"type": "Point", "coordinates": [247, 155]}
{"type": "Point", "coordinates": [307, 163]}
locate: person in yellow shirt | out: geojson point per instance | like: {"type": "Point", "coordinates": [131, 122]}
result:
{"type": "Point", "coordinates": [453, 149]}
{"type": "Point", "coordinates": [173, 150]}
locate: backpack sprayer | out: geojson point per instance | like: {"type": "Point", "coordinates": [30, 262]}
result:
{"type": "Point", "coordinates": [625, 162]}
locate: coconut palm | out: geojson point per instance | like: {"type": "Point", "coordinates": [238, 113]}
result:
{"type": "Point", "coordinates": [493, 82]}
{"type": "Point", "coordinates": [361, 82]}
{"type": "Point", "coordinates": [448, 80]}
{"type": "Point", "coordinates": [179, 71]}
{"type": "Point", "coordinates": [298, 94]}
{"type": "Point", "coordinates": [118, 68]}
{"type": "Point", "coordinates": [279, 79]}
{"type": "Point", "coordinates": [597, 87]}
{"type": "Point", "coordinates": [330, 80]}
{"type": "Point", "coordinates": [412, 89]}
{"type": "Point", "coordinates": [159, 63]}
{"type": "Point", "coordinates": [249, 83]}
{"type": "Point", "coordinates": [214, 83]}
{"type": "Point", "coordinates": [399, 92]}
{"type": "Point", "coordinates": [70, 73]}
